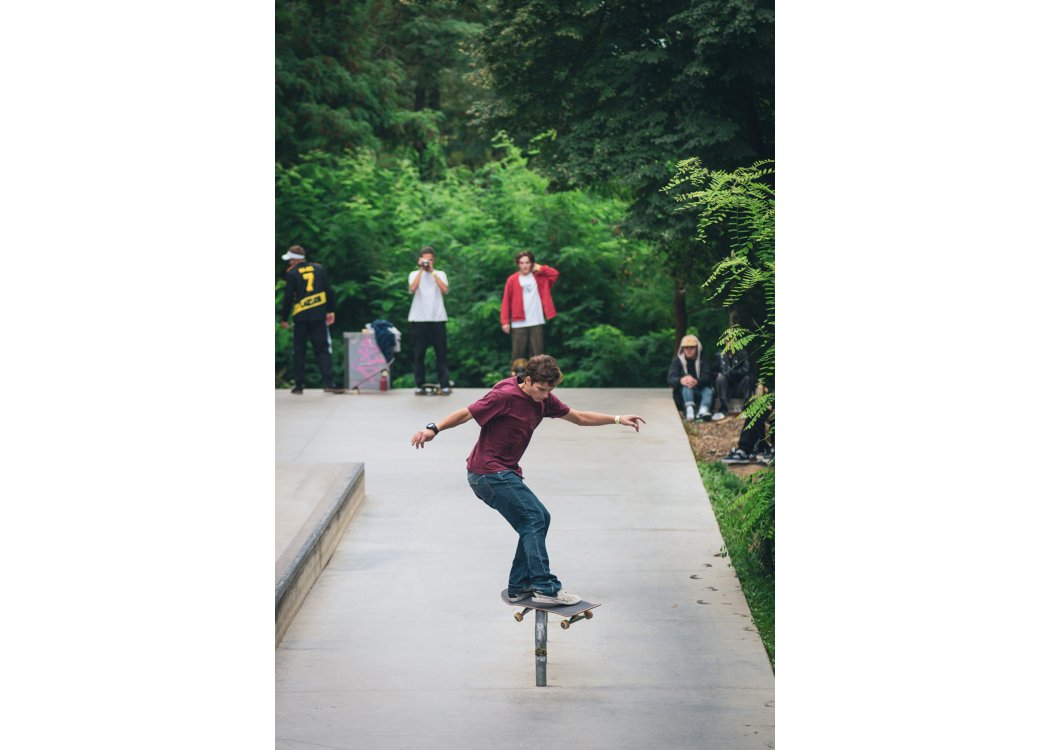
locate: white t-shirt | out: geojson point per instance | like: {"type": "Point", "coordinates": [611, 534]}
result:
{"type": "Point", "coordinates": [428, 303]}
{"type": "Point", "coordinates": [530, 297]}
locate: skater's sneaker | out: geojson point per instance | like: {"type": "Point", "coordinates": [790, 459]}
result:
{"type": "Point", "coordinates": [717, 416]}
{"type": "Point", "coordinates": [561, 599]}
{"type": "Point", "coordinates": [298, 390]}
{"type": "Point", "coordinates": [421, 391]}
{"type": "Point", "coordinates": [520, 596]}
{"type": "Point", "coordinates": [736, 456]}
{"type": "Point", "coordinates": [704, 413]}
{"type": "Point", "coordinates": [445, 391]}
{"type": "Point", "coordinates": [689, 412]}
{"type": "Point", "coordinates": [764, 457]}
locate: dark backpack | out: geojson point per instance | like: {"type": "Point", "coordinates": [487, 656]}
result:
{"type": "Point", "coordinates": [385, 338]}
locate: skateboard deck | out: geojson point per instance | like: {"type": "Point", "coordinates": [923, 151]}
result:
{"type": "Point", "coordinates": [581, 610]}
{"type": "Point", "coordinates": [432, 389]}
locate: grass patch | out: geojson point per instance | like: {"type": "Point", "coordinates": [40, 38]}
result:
{"type": "Point", "coordinates": [745, 509]}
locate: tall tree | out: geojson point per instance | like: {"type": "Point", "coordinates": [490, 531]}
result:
{"type": "Point", "coordinates": [378, 74]}
{"type": "Point", "coordinates": [432, 39]}
{"type": "Point", "coordinates": [619, 90]}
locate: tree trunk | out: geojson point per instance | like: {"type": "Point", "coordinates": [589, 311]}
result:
{"type": "Point", "coordinates": [679, 314]}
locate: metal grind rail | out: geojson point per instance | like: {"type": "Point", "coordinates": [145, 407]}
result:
{"type": "Point", "coordinates": [572, 613]}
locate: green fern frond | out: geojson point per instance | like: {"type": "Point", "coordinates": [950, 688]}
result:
{"type": "Point", "coordinates": [743, 202]}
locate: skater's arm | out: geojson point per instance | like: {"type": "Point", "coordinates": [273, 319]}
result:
{"type": "Point", "coordinates": [594, 418]}
{"type": "Point", "coordinates": [454, 419]}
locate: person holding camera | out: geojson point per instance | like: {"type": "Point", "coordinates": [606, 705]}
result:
{"type": "Point", "coordinates": [427, 315]}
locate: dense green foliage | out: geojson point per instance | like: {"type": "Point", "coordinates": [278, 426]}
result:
{"type": "Point", "coordinates": [386, 115]}
{"type": "Point", "coordinates": [378, 74]}
{"type": "Point", "coordinates": [745, 509]}
{"type": "Point", "coordinates": [617, 91]}
{"type": "Point", "coordinates": [743, 203]}
{"type": "Point", "coordinates": [622, 84]}
{"type": "Point", "coordinates": [366, 219]}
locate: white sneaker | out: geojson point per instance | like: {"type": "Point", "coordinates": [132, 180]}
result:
{"type": "Point", "coordinates": [561, 599]}
{"type": "Point", "coordinates": [689, 412]}
{"type": "Point", "coordinates": [704, 413]}
{"type": "Point", "coordinates": [718, 416]}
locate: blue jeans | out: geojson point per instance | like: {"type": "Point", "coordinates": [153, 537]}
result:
{"type": "Point", "coordinates": [506, 493]}
{"type": "Point", "coordinates": [697, 395]}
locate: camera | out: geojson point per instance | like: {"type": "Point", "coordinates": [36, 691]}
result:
{"type": "Point", "coordinates": [425, 263]}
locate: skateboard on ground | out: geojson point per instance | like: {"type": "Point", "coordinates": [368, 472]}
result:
{"type": "Point", "coordinates": [433, 389]}
{"type": "Point", "coordinates": [570, 613]}
{"type": "Point", "coordinates": [385, 367]}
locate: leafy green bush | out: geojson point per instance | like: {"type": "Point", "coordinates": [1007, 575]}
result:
{"type": "Point", "coordinates": [365, 216]}
{"type": "Point", "coordinates": [746, 513]}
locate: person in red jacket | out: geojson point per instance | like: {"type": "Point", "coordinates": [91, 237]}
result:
{"type": "Point", "coordinates": [527, 305]}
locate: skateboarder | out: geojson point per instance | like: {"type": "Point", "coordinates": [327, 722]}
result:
{"type": "Point", "coordinates": [508, 415]}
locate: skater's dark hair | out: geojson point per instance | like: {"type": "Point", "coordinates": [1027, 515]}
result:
{"type": "Point", "coordinates": [525, 254]}
{"type": "Point", "coordinates": [543, 368]}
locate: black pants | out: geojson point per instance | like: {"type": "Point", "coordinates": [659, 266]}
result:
{"type": "Point", "coordinates": [754, 439]}
{"type": "Point", "coordinates": [424, 335]}
{"type": "Point", "coordinates": [737, 386]}
{"type": "Point", "coordinates": [522, 340]}
{"type": "Point", "coordinates": [316, 332]}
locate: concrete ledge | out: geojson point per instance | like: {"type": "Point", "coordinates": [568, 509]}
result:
{"type": "Point", "coordinates": [309, 552]}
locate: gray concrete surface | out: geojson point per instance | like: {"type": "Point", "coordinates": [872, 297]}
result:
{"type": "Point", "coordinates": [404, 642]}
{"type": "Point", "coordinates": [301, 490]}
{"type": "Point", "coordinates": [318, 502]}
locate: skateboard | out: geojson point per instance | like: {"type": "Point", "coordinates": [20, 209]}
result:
{"type": "Point", "coordinates": [570, 613]}
{"type": "Point", "coordinates": [433, 389]}
{"type": "Point", "coordinates": [385, 368]}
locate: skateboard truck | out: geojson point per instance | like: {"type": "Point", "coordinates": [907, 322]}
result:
{"type": "Point", "coordinates": [565, 624]}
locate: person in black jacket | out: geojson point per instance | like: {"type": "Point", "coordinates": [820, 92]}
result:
{"type": "Point", "coordinates": [756, 441]}
{"type": "Point", "coordinates": [692, 380]}
{"type": "Point", "coordinates": [308, 298]}
{"type": "Point", "coordinates": [734, 379]}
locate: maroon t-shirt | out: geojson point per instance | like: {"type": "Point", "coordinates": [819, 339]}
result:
{"type": "Point", "coordinates": [508, 418]}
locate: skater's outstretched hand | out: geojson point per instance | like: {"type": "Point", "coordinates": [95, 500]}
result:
{"type": "Point", "coordinates": [458, 417]}
{"type": "Point", "coordinates": [595, 418]}
{"type": "Point", "coordinates": [421, 437]}
{"type": "Point", "coordinates": [632, 420]}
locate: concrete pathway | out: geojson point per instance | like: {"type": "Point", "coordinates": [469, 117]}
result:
{"type": "Point", "coordinates": [404, 642]}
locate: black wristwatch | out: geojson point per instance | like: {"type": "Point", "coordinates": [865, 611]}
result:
{"type": "Point", "coordinates": [434, 427]}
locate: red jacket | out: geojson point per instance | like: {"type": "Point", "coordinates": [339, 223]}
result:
{"type": "Point", "coordinates": [514, 306]}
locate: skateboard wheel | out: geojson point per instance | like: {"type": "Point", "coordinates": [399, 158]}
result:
{"type": "Point", "coordinates": [518, 616]}
{"type": "Point", "coordinates": [564, 624]}
{"type": "Point", "coordinates": [588, 614]}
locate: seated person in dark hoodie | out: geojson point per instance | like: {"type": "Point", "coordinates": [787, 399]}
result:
{"type": "Point", "coordinates": [692, 380]}
{"type": "Point", "coordinates": [734, 379]}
